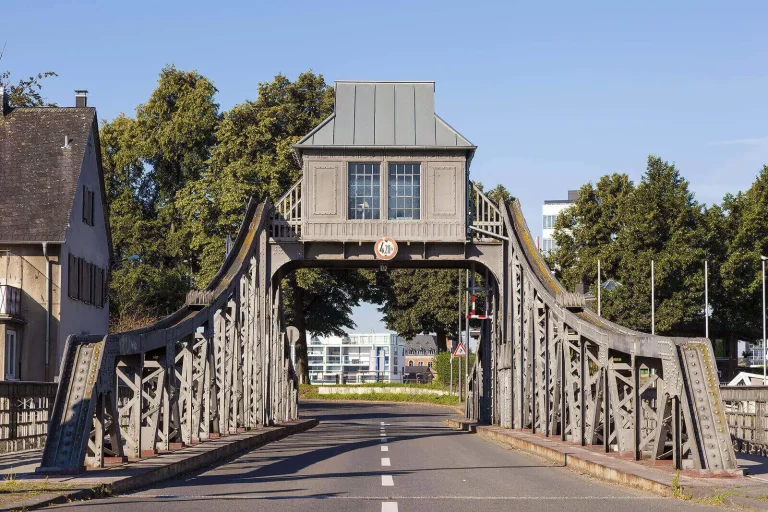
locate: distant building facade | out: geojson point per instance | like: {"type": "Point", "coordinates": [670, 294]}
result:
{"type": "Point", "coordinates": [550, 211]}
{"type": "Point", "coordinates": [54, 235]}
{"type": "Point", "coordinates": [356, 358]}
{"type": "Point", "coordinates": [420, 354]}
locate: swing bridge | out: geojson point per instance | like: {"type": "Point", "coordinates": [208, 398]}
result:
{"type": "Point", "coordinates": [546, 362]}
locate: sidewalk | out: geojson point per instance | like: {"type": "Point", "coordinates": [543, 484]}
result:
{"type": "Point", "coordinates": [731, 490]}
{"type": "Point", "coordinates": [23, 489]}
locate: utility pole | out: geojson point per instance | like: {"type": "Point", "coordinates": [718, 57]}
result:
{"type": "Point", "coordinates": [763, 258]}
{"type": "Point", "coordinates": [598, 290]}
{"type": "Point", "coordinates": [653, 301]}
{"type": "Point", "coordinates": [706, 300]}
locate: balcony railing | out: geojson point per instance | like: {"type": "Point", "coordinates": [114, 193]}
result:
{"type": "Point", "coordinates": [10, 300]}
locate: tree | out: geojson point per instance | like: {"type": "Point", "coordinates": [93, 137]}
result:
{"type": "Point", "coordinates": [27, 91]}
{"type": "Point", "coordinates": [737, 303]}
{"type": "Point", "coordinates": [627, 227]}
{"type": "Point", "coordinates": [148, 160]}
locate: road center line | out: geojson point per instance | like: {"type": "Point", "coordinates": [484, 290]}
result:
{"type": "Point", "coordinates": [385, 448]}
{"type": "Point", "coordinates": [385, 461]}
{"type": "Point", "coordinates": [386, 481]}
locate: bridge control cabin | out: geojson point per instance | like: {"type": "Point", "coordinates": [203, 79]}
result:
{"type": "Point", "coordinates": [384, 164]}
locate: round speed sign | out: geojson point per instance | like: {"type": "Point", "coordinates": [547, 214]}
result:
{"type": "Point", "coordinates": [385, 248]}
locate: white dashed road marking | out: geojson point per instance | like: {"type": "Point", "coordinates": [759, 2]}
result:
{"type": "Point", "coordinates": [382, 435]}
{"type": "Point", "coordinates": [389, 506]}
{"type": "Point", "coordinates": [386, 481]}
{"type": "Point", "coordinates": [383, 439]}
{"type": "Point", "coordinates": [385, 448]}
{"type": "Point", "coordinates": [385, 461]}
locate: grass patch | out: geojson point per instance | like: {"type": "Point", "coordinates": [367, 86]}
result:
{"type": "Point", "coordinates": [309, 393]}
{"type": "Point", "coordinates": [14, 486]}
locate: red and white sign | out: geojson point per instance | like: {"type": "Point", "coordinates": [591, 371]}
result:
{"type": "Point", "coordinates": [460, 350]}
{"type": "Point", "coordinates": [385, 248]}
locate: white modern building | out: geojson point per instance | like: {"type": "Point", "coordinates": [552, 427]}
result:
{"type": "Point", "coordinates": [550, 211]}
{"type": "Point", "coordinates": [356, 358]}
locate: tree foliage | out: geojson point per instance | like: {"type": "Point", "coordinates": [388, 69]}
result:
{"type": "Point", "coordinates": [627, 226]}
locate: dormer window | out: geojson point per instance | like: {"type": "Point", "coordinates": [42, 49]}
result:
{"type": "Point", "coordinates": [88, 200]}
{"type": "Point", "coordinates": [404, 191]}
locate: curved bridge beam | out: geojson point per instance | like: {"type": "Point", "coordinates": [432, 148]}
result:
{"type": "Point", "coordinates": [550, 365]}
{"type": "Point", "coordinates": [216, 366]}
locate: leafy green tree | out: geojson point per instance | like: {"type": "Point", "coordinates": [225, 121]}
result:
{"type": "Point", "coordinates": [737, 303]}
{"type": "Point", "coordinates": [422, 301]}
{"type": "Point", "coordinates": [626, 227]}
{"type": "Point", "coordinates": [148, 160]}
{"type": "Point", "coordinates": [27, 92]}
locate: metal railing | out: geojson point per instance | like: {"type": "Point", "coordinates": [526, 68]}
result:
{"type": "Point", "coordinates": [285, 219]}
{"type": "Point", "coordinates": [746, 410]}
{"type": "Point", "coordinates": [24, 411]}
{"type": "Point", "coordinates": [10, 300]}
{"type": "Point", "coordinates": [485, 222]}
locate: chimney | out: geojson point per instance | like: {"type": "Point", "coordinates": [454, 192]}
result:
{"type": "Point", "coordinates": [81, 98]}
{"type": "Point", "coordinates": [4, 100]}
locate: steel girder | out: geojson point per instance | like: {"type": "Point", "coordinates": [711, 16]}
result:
{"type": "Point", "coordinates": [560, 370]}
{"type": "Point", "coordinates": [215, 367]}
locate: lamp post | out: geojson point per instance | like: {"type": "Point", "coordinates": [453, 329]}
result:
{"type": "Point", "coordinates": [706, 300]}
{"type": "Point", "coordinates": [764, 258]}
{"type": "Point", "coordinates": [599, 285]}
{"type": "Point", "coordinates": [653, 301]}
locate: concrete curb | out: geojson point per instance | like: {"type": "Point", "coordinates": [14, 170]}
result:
{"type": "Point", "coordinates": [158, 474]}
{"type": "Point", "coordinates": [567, 460]}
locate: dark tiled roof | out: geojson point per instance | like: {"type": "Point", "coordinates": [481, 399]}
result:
{"type": "Point", "coordinates": [38, 176]}
{"type": "Point", "coordinates": [417, 369]}
{"type": "Point", "coordinates": [419, 342]}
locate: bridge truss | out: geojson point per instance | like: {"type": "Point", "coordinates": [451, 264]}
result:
{"type": "Point", "coordinates": [546, 363]}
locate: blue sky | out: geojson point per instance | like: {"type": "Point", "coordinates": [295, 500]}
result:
{"type": "Point", "coordinates": [554, 94]}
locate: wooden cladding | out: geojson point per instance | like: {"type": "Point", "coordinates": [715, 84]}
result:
{"type": "Point", "coordinates": [87, 282]}
{"type": "Point", "coordinates": [88, 200]}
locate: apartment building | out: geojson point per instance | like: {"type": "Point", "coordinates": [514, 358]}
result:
{"type": "Point", "coordinates": [356, 358]}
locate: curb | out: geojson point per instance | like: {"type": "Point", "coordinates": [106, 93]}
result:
{"type": "Point", "coordinates": [595, 469]}
{"type": "Point", "coordinates": [159, 474]}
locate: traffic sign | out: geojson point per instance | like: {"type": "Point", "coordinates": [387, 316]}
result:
{"type": "Point", "coordinates": [460, 350]}
{"type": "Point", "coordinates": [385, 248]}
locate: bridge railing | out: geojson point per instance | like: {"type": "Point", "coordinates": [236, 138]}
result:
{"type": "Point", "coordinates": [746, 409]}
{"type": "Point", "coordinates": [485, 221]}
{"type": "Point", "coordinates": [286, 217]}
{"type": "Point", "coordinates": [24, 414]}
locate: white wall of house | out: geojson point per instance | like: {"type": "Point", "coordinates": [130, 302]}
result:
{"type": "Point", "coordinates": [90, 243]}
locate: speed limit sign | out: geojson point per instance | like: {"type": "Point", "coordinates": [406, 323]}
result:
{"type": "Point", "coordinates": [385, 248]}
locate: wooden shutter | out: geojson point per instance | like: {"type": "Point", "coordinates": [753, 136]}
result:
{"type": "Point", "coordinates": [98, 288]}
{"type": "Point", "coordinates": [73, 277]}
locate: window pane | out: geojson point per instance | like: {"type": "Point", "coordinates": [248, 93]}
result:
{"type": "Point", "coordinates": [364, 180]}
{"type": "Point", "coordinates": [404, 191]}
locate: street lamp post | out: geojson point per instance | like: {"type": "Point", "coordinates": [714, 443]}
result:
{"type": "Point", "coordinates": [764, 258]}
{"type": "Point", "coordinates": [653, 300]}
{"type": "Point", "coordinates": [706, 300]}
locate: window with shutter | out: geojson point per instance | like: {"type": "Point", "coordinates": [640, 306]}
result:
{"type": "Point", "coordinates": [88, 200]}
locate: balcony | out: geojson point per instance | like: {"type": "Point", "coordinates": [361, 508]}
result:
{"type": "Point", "coordinates": [10, 301]}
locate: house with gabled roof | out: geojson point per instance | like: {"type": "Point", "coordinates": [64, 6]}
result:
{"type": "Point", "coordinates": [55, 245]}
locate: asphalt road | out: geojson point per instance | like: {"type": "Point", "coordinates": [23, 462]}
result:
{"type": "Point", "coordinates": [385, 458]}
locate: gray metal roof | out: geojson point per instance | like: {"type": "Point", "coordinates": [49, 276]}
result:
{"type": "Point", "coordinates": [384, 115]}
